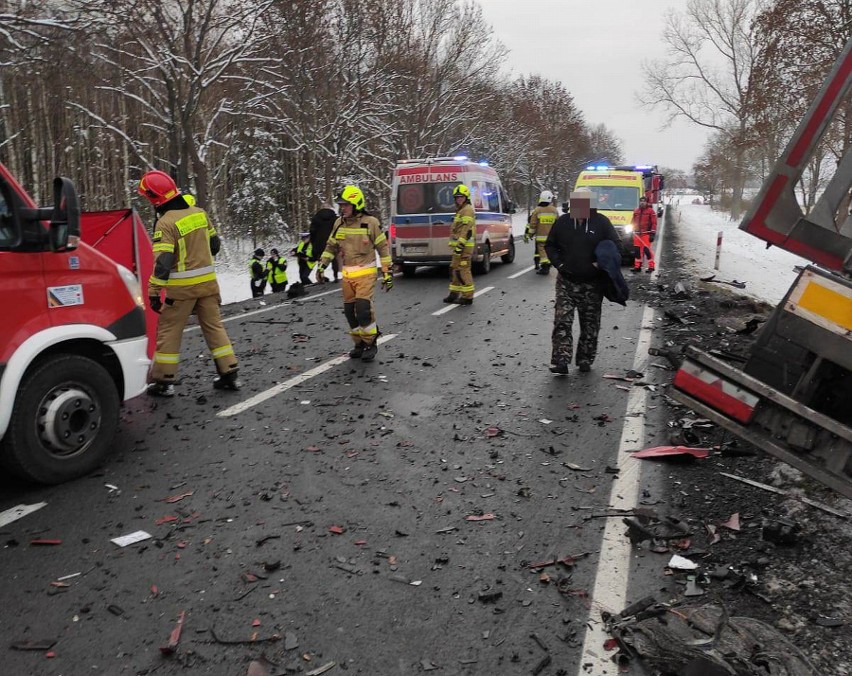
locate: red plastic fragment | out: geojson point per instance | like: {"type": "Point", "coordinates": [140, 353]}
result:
{"type": "Point", "coordinates": [43, 542]}
{"type": "Point", "coordinates": [610, 644]}
{"type": "Point", "coordinates": [484, 517]}
{"type": "Point", "coordinates": [165, 519]}
{"type": "Point", "coordinates": [337, 530]}
{"type": "Point", "coordinates": [663, 451]}
{"type": "Point", "coordinates": [178, 498]}
{"type": "Point", "coordinates": [733, 523]}
{"type": "Point", "coordinates": [174, 637]}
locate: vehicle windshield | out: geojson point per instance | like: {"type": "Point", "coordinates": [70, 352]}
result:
{"type": "Point", "coordinates": [8, 233]}
{"type": "Point", "coordinates": [425, 198]}
{"type": "Point", "coordinates": [614, 198]}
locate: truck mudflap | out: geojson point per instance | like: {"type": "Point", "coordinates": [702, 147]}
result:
{"type": "Point", "coordinates": [806, 439]}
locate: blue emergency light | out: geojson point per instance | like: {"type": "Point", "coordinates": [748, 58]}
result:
{"type": "Point", "coordinates": [460, 158]}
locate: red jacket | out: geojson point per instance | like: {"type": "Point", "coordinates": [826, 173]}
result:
{"type": "Point", "coordinates": [645, 220]}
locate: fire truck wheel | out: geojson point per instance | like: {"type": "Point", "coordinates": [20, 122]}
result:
{"type": "Point", "coordinates": [510, 256]}
{"type": "Point", "coordinates": [408, 270]}
{"type": "Point", "coordinates": [484, 266]}
{"type": "Point", "coordinates": [63, 422]}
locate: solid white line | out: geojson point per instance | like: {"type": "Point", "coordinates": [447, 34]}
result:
{"type": "Point", "coordinates": [610, 590]}
{"type": "Point", "coordinates": [288, 384]}
{"type": "Point", "coordinates": [522, 272]}
{"type": "Point", "coordinates": [453, 306]}
{"type": "Point", "coordinates": [266, 309]}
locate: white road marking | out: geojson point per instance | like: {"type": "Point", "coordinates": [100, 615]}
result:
{"type": "Point", "coordinates": [266, 309]}
{"type": "Point", "coordinates": [522, 272]}
{"type": "Point", "coordinates": [289, 384]}
{"type": "Point", "coordinates": [453, 306]}
{"type": "Point", "coordinates": [610, 590]}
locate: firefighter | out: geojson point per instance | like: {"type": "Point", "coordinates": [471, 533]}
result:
{"type": "Point", "coordinates": [462, 242]}
{"type": "Point", "coordinates": [257, 273]}
{"type": "Point", "coordinates": [276, 272]}
{"type": "Point", "coordinates": [305, 255]}
{"type": "Point", "coordinates": [185, 243]}
{"type": "Point", "coordinates": [644, 233]}
{"type": "Point", "coordinates": [540, 222]}
{"type": "Point", "coordinates": [357, 236]}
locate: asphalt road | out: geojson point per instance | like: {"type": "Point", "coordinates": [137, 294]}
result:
{"type": "Point", "coordinates": [458, 418]}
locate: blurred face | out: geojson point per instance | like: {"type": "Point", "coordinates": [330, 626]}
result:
{"type": "Point", "coordinates": [460, 200]}
{"type": "Point", "coordinates": [346, 209]}
{"type": "Point", "coordinates": [580, 207]}
{"type": "Point", "coordinates": [643, 203]}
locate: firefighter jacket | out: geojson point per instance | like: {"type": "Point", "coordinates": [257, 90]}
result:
{"type": "Point", "coordinates": [276, 270]}
{"type": "Point", "coordinates": [645, 220]}
{"type": "Point", "coordinates": [542, 219]}
{"type": "Point", "coordinates": [357, 239]}
{"type": "Point", "coordinates": [183, 259]}
{"type": "Point", "coordinates": [463, 229]}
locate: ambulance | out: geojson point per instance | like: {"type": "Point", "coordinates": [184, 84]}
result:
{"type": "Point", "coordinates": [422, 211]}
{"type": "Point", "coordinates": [618, 190]}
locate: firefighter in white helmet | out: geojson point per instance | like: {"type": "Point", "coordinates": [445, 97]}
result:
{"type": "Point", "coordinates": [357, 237]}
{"type": "Point", "coordinates": [541, 221]}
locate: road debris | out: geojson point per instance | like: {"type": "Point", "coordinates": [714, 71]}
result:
{"type": "Point", "coordinates": [669, 451]}
{"type": "Point", "coordinates": [787, 494]}
{"type": "Point", "coordinates": [174, 638]}
{"type": "Point", "coordinates": [131, 538]}
{"type": "Point", "coordinates": [321, 670]}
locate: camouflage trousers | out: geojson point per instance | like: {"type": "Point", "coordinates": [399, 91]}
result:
{"type": "Point", "coordinates": [586, 298]}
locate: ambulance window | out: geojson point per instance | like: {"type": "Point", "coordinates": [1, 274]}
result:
{"type": "Point", "coordinates": [411, 199]}
{"type": "Point", "coordinates": [444, 200]}
{"type": "Point", "coordinates": [493, 197]}
{"type": "Point", "coordinates": [425, 198]}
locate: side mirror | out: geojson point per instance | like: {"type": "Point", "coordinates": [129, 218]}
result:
{"type": "Point", "coordinates": [510, 207]}
{"type": "Point", "coordinates": [64, 232]}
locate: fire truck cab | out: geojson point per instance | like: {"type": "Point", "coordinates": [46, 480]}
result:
{"type": "Point", "coordinates": [73, 340]}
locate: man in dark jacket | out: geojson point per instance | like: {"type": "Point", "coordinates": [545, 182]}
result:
{"type": "Point", "coordinates": [571, 248]}
{"type": "Point", "coordinates": [257, 273]}
{"type": "Point", "coordinates": [322, 223]}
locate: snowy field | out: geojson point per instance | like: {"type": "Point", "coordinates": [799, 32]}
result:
{"type": "Point", "coordinates": [767, 273]}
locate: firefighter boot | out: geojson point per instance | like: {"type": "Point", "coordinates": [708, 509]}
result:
{"type": "Point", "coordinates": [464, 301]}
{"type": "Point", "coordinates": [544, 269]}
{"type": "Point", "coordinates": [452, 298]}
{"type": "Point", "coordinates": [357, 352]}
{"type": "Point", "coordinates": [369, 352]}
{"type": "Point", "coordinates": [227, 381]}
{"type": "Point", "coordinates": [158, 389]}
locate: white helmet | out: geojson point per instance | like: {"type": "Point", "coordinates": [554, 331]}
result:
{"type": "Point", "coordinates": [546, 196]}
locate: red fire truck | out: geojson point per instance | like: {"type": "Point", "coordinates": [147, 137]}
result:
{"type": "Point", "coordinates": [793, 397]}
{"type": "Point", "coordinates": [73, 341]}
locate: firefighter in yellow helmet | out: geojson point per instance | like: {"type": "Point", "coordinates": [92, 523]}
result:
{"type": "Point", "coordinates": [184, 245]}
{"type": "Point", "coordinates": [357, 236]}
{"type": "Point", "coordinates": [462, 243]}
{"type": "Point", "coordinates": [541, 221]}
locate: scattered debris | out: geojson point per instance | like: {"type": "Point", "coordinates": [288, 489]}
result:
{"type": "Point", "coordinates": [483, 517]}
{"type": "Point", "coordinates": [42, 542]}
{"type": "Point", "coordinates": [780, 531]}
{"type": "Point", "coordinates": [786, 494]}
{"type": "Point", "coordinates": [678, 562]}
{"type": "Point", "coordinates": [668, 451]}
{"type": "Point", "coordinates": [177, 498]}
{"type": "Point", "coordinates": [336, 530]}
{"type": "Point", "coordinates": [491, 596]}
{"type": "Point", "coordinates": [734, 282]}
{"type": "Point", "coordinates": [733, 523]}
{"type": "Point", "coordinates": [34, 644]}
{"type": "Point", "coordinates": [174, 637]}
{"type": "Point", "coordinates": [131, 538]}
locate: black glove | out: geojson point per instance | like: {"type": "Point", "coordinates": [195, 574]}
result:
{"type": "Point", "coordinates": [652, 237]}
{"type": "Point", "coordinates": [156, 304]}
{"type": "Point", "coordinates": [459, 250]}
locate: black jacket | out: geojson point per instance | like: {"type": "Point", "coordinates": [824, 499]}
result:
{"type": "Point", "coordinates": [609, 262]}
{"type": "Point", "coordinates": [321, 224]}
{"type": "Point", "coordinates": [571, 245]}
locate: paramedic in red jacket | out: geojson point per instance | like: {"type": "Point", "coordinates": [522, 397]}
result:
{"type": "Point", "coordinates": [644, 232]}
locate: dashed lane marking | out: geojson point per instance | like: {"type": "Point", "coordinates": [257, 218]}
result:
{"type": "Point", "coordinates": [522, 272]}
{"type": "Point", "coordinates": [289, 384]}
{"type": "Point", "coordinates": [267, 309]}
{"type": "Point", "coordinates": [453, 306]}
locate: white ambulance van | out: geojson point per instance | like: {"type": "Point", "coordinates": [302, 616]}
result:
{"type": "Point", "coordinates": [422, 211]}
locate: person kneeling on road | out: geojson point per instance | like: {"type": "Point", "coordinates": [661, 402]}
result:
{"type": "Point", "coordinates": [184, 246]}
{"type": "Point", "coordinates": [357, 236]}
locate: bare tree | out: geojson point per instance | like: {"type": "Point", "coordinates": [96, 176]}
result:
{"type": "Point", "coordinates": [712, 51]}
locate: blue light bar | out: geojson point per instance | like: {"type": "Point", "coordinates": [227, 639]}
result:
{"type": "Point", "coordinates": [483, 163]}
{"type": "Point", "coordinates": [460, 158]}
{"type": "Point", "coordinates": [601, 167]}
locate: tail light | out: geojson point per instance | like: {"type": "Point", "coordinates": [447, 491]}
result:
{"type": "Point", "coordinates": [392, 231]}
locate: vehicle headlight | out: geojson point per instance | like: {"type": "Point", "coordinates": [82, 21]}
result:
{"type": "Point", "coordinates": [132, 284]}
{"type": "Point", "coordinates": [628, 227]}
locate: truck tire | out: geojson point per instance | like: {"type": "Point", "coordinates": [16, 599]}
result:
{"type": "Point", "coordinates": [484, 266]}
{"type": "Point", "coordinates": [510, 256]}
{"type": "Point", "coordinates": [63, 421]}
{"type": "Point", "coordinates": [408, 270]}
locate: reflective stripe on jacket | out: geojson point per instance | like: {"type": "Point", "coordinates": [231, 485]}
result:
{"type": "Point", "coordinates": [357, 239]}
{"type": "Point", "coordinates": [463, 229]}
{"type": "Point", "coordinates": [185, 235]}
{"type": "Point", "coordinates": [541, 221]}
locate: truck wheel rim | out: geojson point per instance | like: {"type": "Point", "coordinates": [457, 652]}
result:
{"type": "Point", "coordinates": [68, 419]}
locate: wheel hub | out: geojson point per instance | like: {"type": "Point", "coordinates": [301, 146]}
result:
{"type": "Point", "coordinates": [68, 419]}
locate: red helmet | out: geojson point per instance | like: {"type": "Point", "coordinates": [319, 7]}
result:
{"type": "Point", "coordinates": [158, 187]}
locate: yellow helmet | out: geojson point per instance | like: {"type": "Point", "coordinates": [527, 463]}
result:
{"type": "Point", "coordinates": [352, 195]}
{"type": "Point", "coordinates": [462, 190]}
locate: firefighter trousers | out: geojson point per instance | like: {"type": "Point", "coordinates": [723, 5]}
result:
{"type": "Point", "coordinates": [461, 278]}
{"type": "Point", "coordinates": [540, 253]}
{"type": "Point", "coordinates": [586, 298]}
{"type": "Point", "coordinates": [170, 328]}
{"type": "Point", "coordinates": [358, 308]}
{"type": "Point", "coordinates": [642, 249]}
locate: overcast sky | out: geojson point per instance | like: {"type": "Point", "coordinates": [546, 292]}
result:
{"type": "Point", "coordinates": [595, 48]}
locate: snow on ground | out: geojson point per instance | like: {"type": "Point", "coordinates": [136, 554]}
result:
{"type": "Point", "coordinates": [768, 273]}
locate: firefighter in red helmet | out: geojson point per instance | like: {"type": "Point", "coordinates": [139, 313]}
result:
{"type": "Point", "coordinates": [185, 243]}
